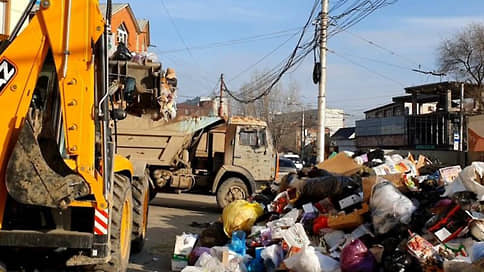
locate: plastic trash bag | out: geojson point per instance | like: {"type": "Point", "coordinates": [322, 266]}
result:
{"type": "Point", "coordinates": [472, 177]}
{"type": "Point", "coordinates": [238, 242]}
{"type": "Point", "coordinates": [240, 215]}
{"type": "Point", "coordinates": [389, 207]}
{"type": "Point", "coordinates": [305, 260]}
{"type": "Point", "coordinates": [454, 187]}
{"type": "Point", "coordinates": [209, 263]}
{"type": "Point", "coordinates": [477, 252]}
{"type": "Point", "coordinates": [196, 253]}
{"type": "Point", "coordinates": [327, 264]}
{"type": "Point", "coordinates": [272, 256]}
{"type": "Point", "coordinates": [356, 257]}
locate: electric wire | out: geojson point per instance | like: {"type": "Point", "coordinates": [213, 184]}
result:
{"type": "Point", "coordinates": [249, 39]}
{"type": "Point", "coordinates": [176, 28]}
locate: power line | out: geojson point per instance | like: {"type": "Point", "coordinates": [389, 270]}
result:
{"type": "Point", "coordinates": [273, 77]}
{"type": "Point", "coordinates": [255, 38]}
{"type": "Point", "coordinates": [366, 68]}
{"type": "Point", "coordinates": [263, 58]}
{"type": "Point", "coordinates": [176, 28]}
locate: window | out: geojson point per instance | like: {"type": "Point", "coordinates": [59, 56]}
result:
{"type": "Point", "coordinates": [253, 137]}
{"type": "Point", "coordinates": [4, 14]}
{"type": "Point", "coordinates": [122, 34]}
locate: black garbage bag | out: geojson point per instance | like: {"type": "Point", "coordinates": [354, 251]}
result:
{"type": "Point", "coordinates": [122, 53]}
{"type": "Point", "coordinates": [334, 187]}
{"type": "Point", "coordinates": [400, 261]}
{"type": "Point", "coordinates": [214, 235]}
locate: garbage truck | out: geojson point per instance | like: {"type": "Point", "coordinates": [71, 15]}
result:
{"type": "Point", "coordinates": [229, 157]}
{"type": "Point", "coordinates": [62, 187]}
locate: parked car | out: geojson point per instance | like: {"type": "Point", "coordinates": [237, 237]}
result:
{"type": "Point", "coordinates": [286, 166]}
{"type": "Point", "coordinates": [294, 158]}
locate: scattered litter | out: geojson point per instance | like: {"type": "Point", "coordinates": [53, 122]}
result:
{"type": "Point", "coordinates": [361, 212]}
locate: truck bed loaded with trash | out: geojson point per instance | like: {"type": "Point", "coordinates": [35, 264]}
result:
{"type": "Point", "coordinates": [354, 212]}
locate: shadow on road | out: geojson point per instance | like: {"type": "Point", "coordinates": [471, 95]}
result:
{"type": "Point", "coordinates": [186, 202]}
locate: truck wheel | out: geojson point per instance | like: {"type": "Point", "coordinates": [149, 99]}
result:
{"type": "Point", "coordinates": [121, 226]}
{"type": "Point", "coordinates": [153, 193]}
{"type": "Point", "coordinates": [231, 189]}
{"type": "Point", "coordinates": [141, 199]}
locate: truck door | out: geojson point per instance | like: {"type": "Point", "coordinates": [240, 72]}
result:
{"type": "Point", "coordinates": [253, 151]}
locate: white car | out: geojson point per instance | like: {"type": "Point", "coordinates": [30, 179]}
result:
{"type": "Point", "coordinates": [295, 158]}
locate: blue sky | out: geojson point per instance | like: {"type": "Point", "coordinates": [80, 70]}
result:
{"type": "Point", "coordinates": [411, 29]}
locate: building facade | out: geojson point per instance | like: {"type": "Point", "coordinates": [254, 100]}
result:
{"type": "Point", "coordinates": [427, 118]}
{"type": "Point", "coordinates": [10, 13]}
{"type": "Point", "coordinates": [127, 29]}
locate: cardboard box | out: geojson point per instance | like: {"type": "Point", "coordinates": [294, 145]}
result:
{"type": "Point", "coordinates": [348, 221]}
{"type": "Point", "coordinates": [178, 263]}
{"type": "Point", "coordinates": [340, 165]}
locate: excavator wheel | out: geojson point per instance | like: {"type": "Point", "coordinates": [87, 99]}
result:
{"type": "Point", "coordinates": [141, 198]}
{"type": "Point", "coordinates": [121, 226]}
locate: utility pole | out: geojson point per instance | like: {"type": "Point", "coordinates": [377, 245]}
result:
{"type": "Point", "coordinates": [303, 134]}
{"type": "Point", "coordinates": [461, 130]}
{"type": "Point", "coordinates": [322, 82]}
{"type": "Point", "coordinates": [220, 106]}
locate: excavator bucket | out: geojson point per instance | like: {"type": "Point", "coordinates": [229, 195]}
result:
{"type": "Point", "coordinates": [31, 180]}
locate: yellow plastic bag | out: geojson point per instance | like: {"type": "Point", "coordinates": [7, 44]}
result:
{"type": "Point", "coordinates": [240, 215]}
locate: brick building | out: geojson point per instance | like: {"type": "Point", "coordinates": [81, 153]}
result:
{"type": "Point", "coordinates": [134, 33]}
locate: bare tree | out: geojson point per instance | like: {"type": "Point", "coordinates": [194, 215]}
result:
{"type": "Point", "coordinates": [463, 56]}
{"type": "Point", "coordinates": [270, 108]}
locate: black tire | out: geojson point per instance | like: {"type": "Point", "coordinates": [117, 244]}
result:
{"type": "Point", "coordinates": [141, 199]}
{"type": "Point", "coordinates": [122, 208]}
{"type": "Point", "coordinates": [230, 190]}
{"type": "Point", "coordinates": [153, 193]}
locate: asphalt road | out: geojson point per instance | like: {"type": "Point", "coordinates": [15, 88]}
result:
{"type": "Point", "coordinates": [171, 215]}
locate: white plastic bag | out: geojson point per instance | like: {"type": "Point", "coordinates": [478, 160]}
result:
{"type": "Point", "coordinates": [308, 260]}
{"type": "Point", "coordinates": [389, 207]}
{"type": "Point", "coordinates": [273, 254]}
{"type": "Point", "coordinates": [305, 260]}
{"type": "Point", "coordinates": [209, 263]}
{"type": "Point", "coordinates": [454, 187]}
{"type": "Point", "coordinates": [471, 177]}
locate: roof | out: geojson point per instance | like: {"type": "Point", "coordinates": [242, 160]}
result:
{"type": "Point", "coordinates": [381, 107]}
{"type": "Point", "coordinates": [117, 8]}
{"type": "Point", "coordinates": [239, 120]}
{"type": "Point", "coordinates": [344, 133]}
{"type": "Point", "coordinates": [441, 87]}
{"type": "Point", "coordinates": [142, 23]}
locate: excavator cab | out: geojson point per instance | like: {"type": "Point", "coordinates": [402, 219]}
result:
{"type": "Point", "coordinates": [62, 187]}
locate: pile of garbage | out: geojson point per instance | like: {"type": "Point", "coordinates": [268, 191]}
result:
{"type": "Point", "coordinates": [355, 212]}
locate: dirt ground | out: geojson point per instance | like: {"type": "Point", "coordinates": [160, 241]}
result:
{"type": "Point", "coordinates": [171, 215]}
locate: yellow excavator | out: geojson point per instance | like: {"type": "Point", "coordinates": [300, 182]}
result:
{"type": "Point", "coordinates": [61, 185]}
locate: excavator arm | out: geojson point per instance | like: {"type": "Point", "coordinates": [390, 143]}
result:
{"type": "Point", "coordinates": [68, 30]}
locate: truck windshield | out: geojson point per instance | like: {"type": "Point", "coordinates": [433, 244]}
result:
{"type": "Point", "coordinates": [253, 137]}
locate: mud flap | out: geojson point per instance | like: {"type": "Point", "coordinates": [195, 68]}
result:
{"type": "Point", "coordinates": [30, 179]}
